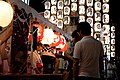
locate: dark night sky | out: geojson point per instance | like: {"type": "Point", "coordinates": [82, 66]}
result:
{"type": "Point", "coordinates": [38, 5]}
{"type": "Point", "coordinates": [115, 16]}
{"type": "Point", "coordinates": [114, 10]}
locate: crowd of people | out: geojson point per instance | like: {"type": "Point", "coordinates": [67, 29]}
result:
{"type": "Point", "coordinates": [83, 59]}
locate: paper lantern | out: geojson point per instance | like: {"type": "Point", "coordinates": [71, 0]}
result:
{"type": "Point", "coordinates": [40, 30]}
{"type": "Point", "coordinates": [39, 34]}
{"type": "Point", "coordinates": [64, 48]}
{"type": "Point", "coordinates": [48, 37]}
{"type": "Point", "coordinates": [57, 39]}
{"type": "Point", "coordinates": [63, 44]}
{"type": "Point", "coordinates": [6, 13]}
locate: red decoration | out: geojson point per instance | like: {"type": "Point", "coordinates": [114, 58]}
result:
{"type": "Point", "coordinates": [57, 39]}
{"type": "Point", "coordinates": [64, 48]}
{"type": "Point", "coordinates": [30, 38]}
{"type": "Point", "coordinates": [39, 32]}
{"type": "Point", "coordinates": [39, 65]}
{"type": "Point", "coordinates": [63, 44]}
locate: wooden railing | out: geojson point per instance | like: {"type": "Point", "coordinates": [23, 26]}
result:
{"type": "Point", "coordinates": [31, 77]}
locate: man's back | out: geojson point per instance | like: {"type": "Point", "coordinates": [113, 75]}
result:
{"type": "Point", "coordinates": [88, 51]}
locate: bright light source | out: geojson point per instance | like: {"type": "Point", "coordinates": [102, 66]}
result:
{"type": "Point", "coordinates": [48, 36]}
{"type": "Point", "coordinates": [6, 13]}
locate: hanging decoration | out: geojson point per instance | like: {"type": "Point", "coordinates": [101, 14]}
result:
{"type": "Point", "coordinates": [57, 39]}
{"type": "Point", "coordinates": [48, 36]}
{"type": "Point", "coordinates": [41, 18]}
{"type": "Point", "coordinates": [29, 38]}
{"type": "Point", "coordinates": [63, 45]}
{"type": "Point", "coordinates": [40, 32]}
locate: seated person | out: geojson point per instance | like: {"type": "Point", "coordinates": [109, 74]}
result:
{"type": "Point", "coordinates": [37, 61]}
{"type": "Point", "coordinates": [48, 58]}
{"type": "Point", "coordinates": [68, 56]}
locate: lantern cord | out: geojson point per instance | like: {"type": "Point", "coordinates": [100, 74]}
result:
{"type": "Point", "coordinates": [25, 17]}
{"type": "Point", "coordinates": [19, 16]}
{"type": "Point", "coordinates": [22, 20]}
{"type": "Point", "coordinates": [35, 31]}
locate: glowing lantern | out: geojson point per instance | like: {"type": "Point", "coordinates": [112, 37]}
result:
{"type": "Point", "coordinates": [48, 36]}
{"type": "Point", "coordinates": [63, 44]}
{"type": "Point", "coordinates": [6, 13]}
{"type": "Point", "coordinates": [64, 48]}
{"type": "Point", "coordinates": [39, 35]}
{"type": "Point", "coordinates": [74, 7]}
{"type": "Point", "coordinates": [40, 31]}
{"type": "Point", "coordinates": [57, 39]}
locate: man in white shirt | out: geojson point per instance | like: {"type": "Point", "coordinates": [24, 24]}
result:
{"type": "Point", "coordinates": [86, 53]}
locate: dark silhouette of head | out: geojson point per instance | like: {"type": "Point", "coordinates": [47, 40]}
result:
{"type": "Point", "coordinates": [84, 28]}
{"type": "Point", "coordinates": [75, 35]}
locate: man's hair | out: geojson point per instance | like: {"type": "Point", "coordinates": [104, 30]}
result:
{"type": "Point", "coordinates": [84, 27]}
{"type": "Point", "coordinates": [75, 34]}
